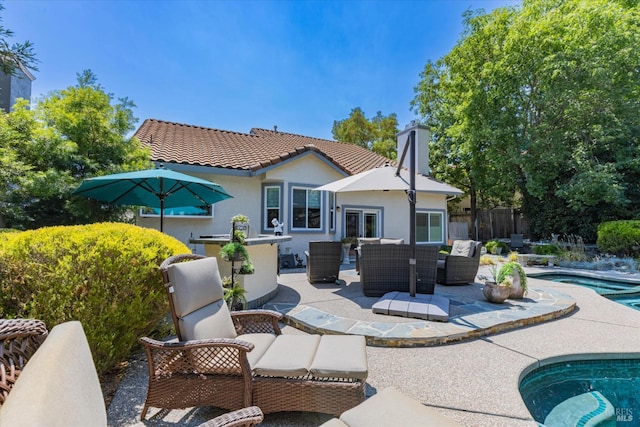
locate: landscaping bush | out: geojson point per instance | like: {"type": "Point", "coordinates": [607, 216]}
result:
{"type": "Point", "coordinates": [104, 275]}
{"type": "Point", "coordinates": [621, 238]}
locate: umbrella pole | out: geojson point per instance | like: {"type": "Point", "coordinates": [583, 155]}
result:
{"type": "Point", "coordinates": [161, 205]}
{"type": "Point", "coordinates": [412, 214]}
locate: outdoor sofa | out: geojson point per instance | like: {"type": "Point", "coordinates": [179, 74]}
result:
{"type": "Point", "coordinates": [238, 359]}
{"type": "Point", "coordinates": [385, 268]}
{"type": "Point", "coordinates": [461, 265]}
{"type": "Point", "coordinates": [374, 241]}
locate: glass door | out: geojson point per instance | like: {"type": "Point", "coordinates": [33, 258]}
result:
{"type": "Point", "coordinates": [362, 223]}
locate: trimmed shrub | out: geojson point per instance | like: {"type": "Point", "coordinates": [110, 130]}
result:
{"type": "Point", "coordinates": [104, 275]}
{"type": "Point", "coordinates": [620, 237]}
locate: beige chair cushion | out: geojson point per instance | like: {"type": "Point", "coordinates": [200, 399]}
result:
{"type": "Point", "coordinates": [261, 343]}
{"type": "Point", "coordinates": [288, 356]}
{"type": "Point", "coordinates": [392, 408]}
{"type": "Point", "coordinates": [211, 321]}
{"type": "Point", "coordinates": [195, 284]}
{"type": "Point", "coordinates": [59, 387]}
{"type": "Point", "coordinates": [368, 241]}
{"type": "Point", "coordinates": [341, 356]}
{"type": "Point", "coordinates": [462, 248]}
{"type": "Point", "coordinates": [385, 241]}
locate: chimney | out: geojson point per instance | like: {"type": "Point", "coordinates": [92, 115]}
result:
{"type": "Point", "coordinates": [422, 146]}
{"type": "Point", "coordinates": [275, 128]}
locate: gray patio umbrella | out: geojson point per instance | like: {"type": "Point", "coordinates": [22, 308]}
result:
{"type": "Point", "coordinates": [156, 188]}
{"type": "Point", "coordinates": [389, 178]}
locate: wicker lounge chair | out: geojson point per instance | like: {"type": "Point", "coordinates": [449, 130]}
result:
{"type": "Point", "coordinates": [385, 268]}
{"type": "Point", "coordinates": [20, 338]}
{"type": "Point", "coordinates": [323, 261]}
{"type": "Point", "coordinates": [235, 360]}
{"type": "Point", "coordinates": [461, 266]}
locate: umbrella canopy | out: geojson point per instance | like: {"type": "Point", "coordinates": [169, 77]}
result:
{"type": "Point", "coordinates": [384, 178]}
{"type": "Point", "coordinates": [156, 188]}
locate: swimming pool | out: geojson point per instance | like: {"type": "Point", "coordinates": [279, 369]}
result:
{"type": "Point", "coordinates": [618, 379]}
{"type": "Point", "coordinates": [618, 290]}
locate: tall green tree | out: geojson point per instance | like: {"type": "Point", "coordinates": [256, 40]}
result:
{"type": "Point", "coordinates": [377, 134]}
{"type": "Point", "coordinates": [70, 135]}
{"type": "Point", "coordinates": [13, 54]}
{"type": "Point", "coordinates": [542, 100]}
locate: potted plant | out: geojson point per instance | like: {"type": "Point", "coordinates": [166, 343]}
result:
{"type": "Point", "coordinates": [493, 290]}
{"type": "Point", "coordinates": [235, 297]}
{"type": "Point", "coordinates": [246, 268]}
{"type": "Point", "coordinates": [518, 277]}
{"type": "Point", "coordinates": [240, 222]}
{"type": "Point", "coordinates": [347, 242]}
{"type": "Point", "coordinates": [234, 251]}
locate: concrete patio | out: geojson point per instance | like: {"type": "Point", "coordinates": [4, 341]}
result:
{"type": "Point", "coordinates": [468, 368]}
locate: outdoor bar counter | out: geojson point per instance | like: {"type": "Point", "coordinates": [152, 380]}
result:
{"type": "Point", "coordinates": [263, 252]}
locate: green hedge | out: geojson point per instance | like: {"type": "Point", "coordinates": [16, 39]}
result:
{"type": "Point", "coordinates": [621, 238]}
{"type": "Point", "coordinates": [104, 275]}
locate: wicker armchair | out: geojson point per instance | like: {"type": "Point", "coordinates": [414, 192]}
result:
{"type": "Point", "coordinates": [200, 371]}
{"type": "Point", "coordinates": [245, 417]}
{"type": "Point", "coordinates": [461, 266]}
{"type": "Point", "coordinates": [20, 339]}
{"type": "Point", "coordinates": [385, 268]}
{"type": "Point", "coordinates": [323, 261]}
{"type": "Point", "coordinates": [239, 359]}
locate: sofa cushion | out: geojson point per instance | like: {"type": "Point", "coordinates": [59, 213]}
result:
{"type": "Point", "coordinates": [341, 356]}
{"type": "Point", "coordinates": [261, 343]}
{"type": "Point", "coordinates": [462, 248]}
{"type": "Point", "coordinates": [59, 386]}
{"type": "Point", "coordinates": [211, 321]}
{"type": "Point", "coordinates": [385, 241]}
{"type": "Point", "coordinates": [392, 408]}
{"type": "Point", "coordinates": [368, 241]}
{"type": "Point", "coordinates": [195, 284]}
{"type": "Point", "coordinates": [288, 356]}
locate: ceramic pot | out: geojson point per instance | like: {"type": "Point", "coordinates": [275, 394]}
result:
{"type": "Point", "coordinates": [517, 291]}
{"type": "Point", "coordinates": [496, 293]}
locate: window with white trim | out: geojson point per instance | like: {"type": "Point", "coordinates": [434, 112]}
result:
{"type": "Point", "coordinates": [306, 209]}
{"type": "Point", "coordinates": [429, 227]}
{"type": "Point", "coordinates": [272, 208]}
{"type": "Point", "coordinates": [332, 211]}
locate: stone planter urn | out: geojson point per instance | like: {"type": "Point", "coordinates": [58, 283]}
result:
{"type": "Point", "coordinates": [346, 247]}
{"type": "Point", "coordinates": [517, 290]}
{"type": "Point", "coordinates": [496, 293]}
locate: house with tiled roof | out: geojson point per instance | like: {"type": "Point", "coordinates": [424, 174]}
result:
{"type": "Point", "coordinates": [273, 174]}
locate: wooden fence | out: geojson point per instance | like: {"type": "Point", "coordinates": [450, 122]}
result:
{"type": "Point", "coordinates": [498, 223]}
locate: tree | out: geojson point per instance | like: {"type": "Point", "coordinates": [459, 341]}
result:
{"type": "Point", "coordinates": [377, 134]}
{"type": "Point", "coordinates": [70, 135]}
{"type": "Point", "coordinates": [542, 101]}
{"type": "Point", "coordinates": [17, 53]}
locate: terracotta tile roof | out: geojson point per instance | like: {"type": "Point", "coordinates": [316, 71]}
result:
{"type": "Point", "coordinates": [193, 145]}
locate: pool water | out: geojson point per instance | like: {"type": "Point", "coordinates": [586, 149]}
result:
{"type": "Point", "coordinates": [621, 292]}
{"type": "Point", "coordinates": [617, 379]}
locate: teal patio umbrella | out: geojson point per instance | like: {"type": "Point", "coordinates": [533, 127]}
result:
{"type": "Point", "coordinates": [155, 188]}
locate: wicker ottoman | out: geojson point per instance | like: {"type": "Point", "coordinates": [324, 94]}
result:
{"type": "Point", "coordinates": [311, 373]}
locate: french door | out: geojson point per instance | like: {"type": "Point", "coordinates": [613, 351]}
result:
{"type": "Point", "coordinates": [362, 223]}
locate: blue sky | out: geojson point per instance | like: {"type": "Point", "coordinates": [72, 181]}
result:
{"type": "Point", "coordinates": [234, 65]}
